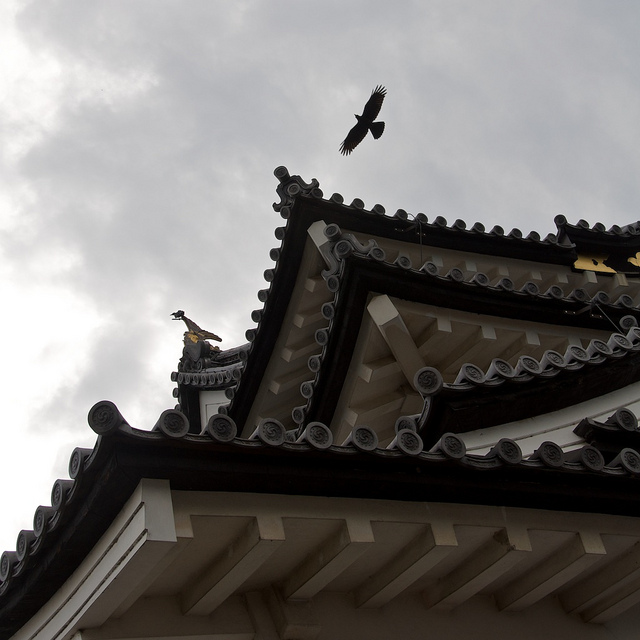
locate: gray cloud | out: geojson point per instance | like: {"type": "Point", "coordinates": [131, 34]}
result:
{"type": "Point", "coordinates": [149, 186]}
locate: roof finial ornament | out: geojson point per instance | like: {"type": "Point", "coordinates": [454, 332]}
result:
{"type": "Point", "coordinates": [290, 187]}
{"type": "Point", "coordinates": [194, 333]}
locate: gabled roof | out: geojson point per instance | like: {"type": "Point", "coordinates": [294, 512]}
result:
{"type": "Point", "coordinates": [355, 303]}
{"type": "Point", "coordinates": [334, 259]}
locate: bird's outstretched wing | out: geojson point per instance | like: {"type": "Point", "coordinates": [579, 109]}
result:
{"type": "Point", "coordinates": [366, 122]}
{"type": "Point", "coordinates": [354, 138]}
{"type": "Point", "coordinates": [374, 104]}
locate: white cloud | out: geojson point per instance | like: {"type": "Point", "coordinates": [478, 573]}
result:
{"type": "Point", "coordinates": [139, 141]}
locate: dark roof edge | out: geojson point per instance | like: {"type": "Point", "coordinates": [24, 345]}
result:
{"type": "Point", "coordinates": [419, 230]}
{"type": "Point", "coordinates": [105, 477]}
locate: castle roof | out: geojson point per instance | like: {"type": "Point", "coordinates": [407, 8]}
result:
{"type": "Point", "coordinates": [458, 365]}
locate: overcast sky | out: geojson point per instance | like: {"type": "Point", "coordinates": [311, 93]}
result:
{"type": "Point", "coordinates": [139, 140]}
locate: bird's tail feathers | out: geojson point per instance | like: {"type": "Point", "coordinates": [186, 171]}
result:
{"type": "Point", "coordinates": [376, 129]}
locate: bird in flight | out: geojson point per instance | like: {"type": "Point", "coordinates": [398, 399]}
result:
{"type": "Point", "coordinates": [194, 332]}
{"type": "Point", "coordinates": [366, 122]}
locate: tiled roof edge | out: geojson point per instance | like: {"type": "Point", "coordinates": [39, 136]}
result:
{"type": "Point", "coordinates": [598, 229]}
{"type": "Point", "coordinates": [291, 187]}
{"type": "Point", "coordinates": [342, 245]}
{"type": "Point", "coordinates": [68, 496]}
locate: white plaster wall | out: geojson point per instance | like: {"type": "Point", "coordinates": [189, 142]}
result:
{"type": "Point", "coordinates": [556, 426]}
{"type": "Point", "coordinates": [210, 402]}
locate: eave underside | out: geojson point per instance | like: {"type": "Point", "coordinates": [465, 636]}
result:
{"type": "Point", "coordinates": [236, 565]}
{"type": "Point", "coordinates": [383, 323]}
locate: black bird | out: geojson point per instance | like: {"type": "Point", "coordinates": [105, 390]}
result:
{"type": "Point", "coordinates": [366, 122]}
{"type": "Point", "coordinates": [193, 329]}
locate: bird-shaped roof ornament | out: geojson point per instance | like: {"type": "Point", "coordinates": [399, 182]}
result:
{"type": "Point", "coordinates": [194, 333]}
{"type": "Point", "coordinates": [366, 122]}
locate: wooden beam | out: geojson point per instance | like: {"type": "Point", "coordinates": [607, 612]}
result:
{"type": "Point", "coordinates": [307, 319]}
{"type": "Point", "coordinates": [431, 337]}
{"type": "Point", "coordinates": [413, 562]}
{"type": "Point", "coordinates": [261, 616]}
{"type": "Point", "coordinates": [160, 618]}
{"type": "Point", "coordinates": [328, 561]}
{"type": "Point", "coordinates": [299, 350]}
{"type": "Point", "coordinates": [613, 577]}
{"type": "Point", "coordinates": [613, 604]}
{"type": "Point", "coordinates": [467, 337]}
{"type": "Point", "coordinates": [567, 562]}
{"type": "Point", "coordinates": [485, 565]}
{"type": "Point", "coordinates": [314, 284]}
{"type": "Point", "coordinates": [469, 348]}
{"type": "Point", "coordinates": [510, 345]}
{"type": "Point", "coordinates": [138, 544]}
{"type": "Point", "coordinates": [379, 369]}
{"type": "Point", "coordinates": [292, 619]}
{"type": "Point", "coordinates": [376, 409]}
{"type": "Point", "coordinates": [608, 592]}
{"type": "Point", "coordinates": [289, 380]}
{"type": "Point", "coordinates": [397, 336]}
{"type": "Point", "coordinates": [246, 554]}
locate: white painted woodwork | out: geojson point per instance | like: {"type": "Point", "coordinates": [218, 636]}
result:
{"type": "Point", "coordinates": [603, 594]}
{"type": "Point", "coordinates": [161, 618]}
{"type": "Point", "coordinates": [127, 558]}
{"type": "Point", "coordinates": [210, 402]}
{"type": "Point", "coordinates": [413, 562]}
{"type": "Point", "coordinates": [252, 548]}
{"type": "Point", "coordinates": [214, 566]}
{"type": "Point", "coordinates": [328, 561]}
{"type": "Point", "coordinates": [223, 566]}
{"type": "Point", "coordinates": [556, 426]}
{"type": "Point", "coordinates": [304, 320]}
{"type": "Point", "coordinates": [609, 607]}
{"type": "Point", "coordinates": [409, 335]}
{"type": "Point", "coordinates": [292, 619]}
{"type": "Point", "coordinates": [483, 566]}
{"type": "Point", "coordinates": [376, 371]}
{"type": "Point", "coordinates": [569, 561]}
{"type": "Point", "coordinates": [397, 336]}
